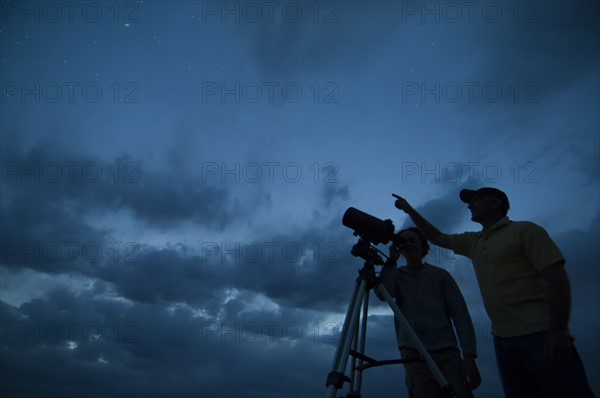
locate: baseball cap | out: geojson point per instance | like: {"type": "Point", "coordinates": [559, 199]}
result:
{"type": "Point", "coordinates": [467, 194]}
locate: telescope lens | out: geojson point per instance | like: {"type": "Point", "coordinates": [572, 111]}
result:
{"type": "Point", "coordinates": [368, 227]}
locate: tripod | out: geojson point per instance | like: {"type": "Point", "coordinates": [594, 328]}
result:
{"type": "Point", "coordinates": [365, 282]}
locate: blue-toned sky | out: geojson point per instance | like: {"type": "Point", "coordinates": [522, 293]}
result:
{"type": "Point", "coordinates": [174, 176]}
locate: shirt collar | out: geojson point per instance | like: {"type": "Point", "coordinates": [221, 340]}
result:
{"type": "Point", "coordinates": [499, 224]}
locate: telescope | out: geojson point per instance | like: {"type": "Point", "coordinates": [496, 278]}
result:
{"type": "Point", "coordinates": [368, 227]}
{"type": "Point", "coordinates": [371, 230]}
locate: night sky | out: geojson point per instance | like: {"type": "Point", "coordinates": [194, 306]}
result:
{"type": "Point", "coordinates": [174, 176]}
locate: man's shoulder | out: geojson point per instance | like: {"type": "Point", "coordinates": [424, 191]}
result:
{"type": "Point", "coordinates": [525, 225]}
{"type": "Point", "coordinates": [522, 223]}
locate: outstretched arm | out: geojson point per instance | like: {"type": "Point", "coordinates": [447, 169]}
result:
{"type": "Point", "coordinates": [431, 232]}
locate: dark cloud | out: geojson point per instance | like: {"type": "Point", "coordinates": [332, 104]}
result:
{"type": "Point", "coordinates": [165, 319]}
{"type": "Point", "coordinates": [332, 192]}
{"type": "Point", "coordinates": [72, 344]}
{"type": "Point", "coordinates": [89, 184]}
{"type": "Point", "coordinates": [446, 211]}
{"type": "Point", "coordinates": [51, 195]}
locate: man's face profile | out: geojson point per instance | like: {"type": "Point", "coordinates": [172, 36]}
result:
{"type": "Point", "coordinates": [482, 206]}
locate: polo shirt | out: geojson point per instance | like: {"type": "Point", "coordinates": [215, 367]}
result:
{"type": "Point", "coordinates": [507, 259]}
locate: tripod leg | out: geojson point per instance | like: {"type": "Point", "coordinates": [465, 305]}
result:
{"type": "Point", "coordinates": [335, 378]}
{"type": "Point", "coordinates": [357, 379]}
{"type": "Point", "coordinates": [414, 339]}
